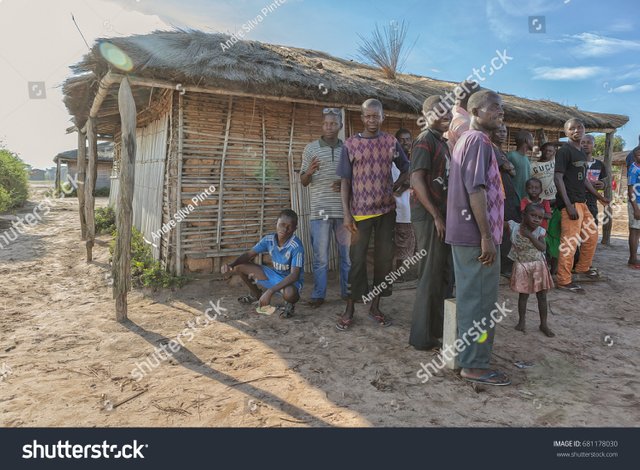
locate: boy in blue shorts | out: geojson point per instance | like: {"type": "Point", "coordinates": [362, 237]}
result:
{"type": "Point", "coordinates": [287, 257]}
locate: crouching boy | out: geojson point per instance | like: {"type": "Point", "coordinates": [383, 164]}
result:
{"type": "Point", "coordinates": [287, 257]}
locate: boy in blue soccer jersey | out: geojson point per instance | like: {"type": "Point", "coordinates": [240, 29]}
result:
{"type": "Point", "coordinates": [287, 257]}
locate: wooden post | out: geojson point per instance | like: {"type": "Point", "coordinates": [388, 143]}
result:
{"type": "Point", "coordinates": [217, 262]}
{"type": "Point", "coordinates": [122, 253]}
{"type": "Point", "coordinates": [56, 184]}
{"type": "Point", "coordinates": [450, 331]}
{"type": "Point", "coordinates": [89, 199]}
{"type": "Point", "coordinates": [81, 177]}
{"type": "Point", "coordinates": [608, 221]}
{"type": "Point", "coordinates": [179, 256]}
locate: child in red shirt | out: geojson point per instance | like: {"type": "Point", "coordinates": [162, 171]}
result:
{"type": "Point", "coordinates": [533, 187]}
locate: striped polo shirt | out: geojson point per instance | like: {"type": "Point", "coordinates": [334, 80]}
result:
{"type": "Point", "coordinates": [325, 202]}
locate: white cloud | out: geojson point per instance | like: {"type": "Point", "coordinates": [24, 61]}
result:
{"type": "Point", "coordinates": [634, 72]}
{"type": "Point", "coordinates": [508, 19]}
{"type": "Point", "coordinates": [594, 45]}
{"type": "Point", "coordinates": [622, 25]}
{"type": "Point", "coordinates": [566, 73]}
{"type": "Point", "coordinates": [625, 88]}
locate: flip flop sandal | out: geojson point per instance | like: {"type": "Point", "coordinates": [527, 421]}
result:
{"type": "Point", "coordinates": [381, 320]}
{"type": "Point", "coordinates": [493, 377]}
{"type": "Point", "coordinates": [286, 310]}
{"type": "Point", "coordinates": [344, 325]}
{"type": "Point", "coordinates": [575, 288]}
{"type": "Point", "coordinates": [633, 266]}
{"type": "Point", "coordinates": [247, 299]}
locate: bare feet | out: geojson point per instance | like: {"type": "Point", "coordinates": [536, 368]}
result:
{"type": "Point", "coordinates": [545, 329]}
{"type": "Point", "coordinates": [520, 327]}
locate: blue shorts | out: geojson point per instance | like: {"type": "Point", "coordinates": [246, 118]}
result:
{"type": "Point", "coordinates": [274, 278]}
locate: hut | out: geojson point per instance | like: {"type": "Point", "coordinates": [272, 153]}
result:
{"type": "Point", "coordinates": [104, 166]}
{"type": "Point", "coordinates": [238, 118]}
{"type": "Point", "coordinates": [36, 174]}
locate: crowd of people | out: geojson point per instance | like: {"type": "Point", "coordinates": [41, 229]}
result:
{"type": "Point", "coordinates": [453, 205]}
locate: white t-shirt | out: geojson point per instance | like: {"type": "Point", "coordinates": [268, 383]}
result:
{"type": "Point", "coordinates": [403, 205]}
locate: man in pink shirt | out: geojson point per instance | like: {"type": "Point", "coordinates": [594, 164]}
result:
{"type": "Point", "coordinates": [461, 118]}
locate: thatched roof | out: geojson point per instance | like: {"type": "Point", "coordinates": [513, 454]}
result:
{"type": "Point", "coordinates": [105, 154]}
{"type": "Point", "coordinates": [198, 59]}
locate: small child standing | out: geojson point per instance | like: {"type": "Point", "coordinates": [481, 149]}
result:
{"type": "Point", "coordinates": [533, 187]}
{"type": "Point", "coordinates": [530, 273]}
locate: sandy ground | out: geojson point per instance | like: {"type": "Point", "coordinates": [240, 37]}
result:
{"type": "Point", "coordinates": [67, 362]}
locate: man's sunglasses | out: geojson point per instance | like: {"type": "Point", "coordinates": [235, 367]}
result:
{"type": "Point", "coordinates": [331, 111]}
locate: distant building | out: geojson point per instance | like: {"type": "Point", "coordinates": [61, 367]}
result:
{"type": "Point", "coordinates": [105, 164]}
{"type": "Point", "coordinates": [36, 175]}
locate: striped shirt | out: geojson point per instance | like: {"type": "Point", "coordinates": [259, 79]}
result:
{"type": "Point", "coordinates": [290, 255]}
{"type": "Point", "coordinates": [325, 202]}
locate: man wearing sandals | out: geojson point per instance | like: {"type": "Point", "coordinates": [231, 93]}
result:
{"type": "Point", "coordinates": [318, 172]}
{"type": "Point", "coordinates": [578, 226]}
{"type": "Point", "coordinates": [287, 256]}
{"type": "Point", "coordinates": [475, 214]}
{"type": "Point", "coordinates": [369, 206]}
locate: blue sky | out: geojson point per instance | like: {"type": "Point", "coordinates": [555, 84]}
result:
{"type": "Point", "coordinates": [588, 55]}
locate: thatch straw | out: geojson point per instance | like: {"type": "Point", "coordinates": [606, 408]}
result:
{"type": "Point", "coordinates": [198, 59]}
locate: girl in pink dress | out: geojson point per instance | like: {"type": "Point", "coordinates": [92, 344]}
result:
{"type": "Point", "coordinates": [530, 273]}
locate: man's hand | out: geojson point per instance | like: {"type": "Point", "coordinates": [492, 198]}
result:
{"type": "Point", "coordinates": [315, 166]}
{"type": "Point", "coordinates": [488, 255]}
{"type": "Point", "coordinates": [598, 184]}
{"type": "Point", "coordinates": [440, 227]}
{"type": "Point", "coordinates": [335, 186]}
{"type": "Point", "coordinates": [509, 168]}
{"type": "Point", "coordinates": [604, 200]}
{"type": "Point", "coordinates": [571, 211]}
{"type": "Point", "coordinates": [265, 298]}
{"type": "Point", "coordinates": [350, 224]}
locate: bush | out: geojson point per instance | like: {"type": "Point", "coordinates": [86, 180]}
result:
{"type": "Point", "coordinates": [145, 271]}
{"type": "Point", "coordinates": [14, 185]}
{"type": "Point", "coordinates": [102, 192]}
{"type": "Point", "coordinates": [105, 220]}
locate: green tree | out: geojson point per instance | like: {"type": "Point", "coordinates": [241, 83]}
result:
{"type": "Point", "coordinates": [14, 186]}
{"type": "Point", "coordinates": [598, 148]}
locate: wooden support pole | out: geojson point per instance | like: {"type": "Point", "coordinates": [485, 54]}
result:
{"type": "Point", "coordinates": [608, 220]}
{"type": "Point", "coordinates": [89, 187]}
{"type": "Point", "coordinates": [217, 260]}
{"type": "Point", "coordinates": [56, 184]}
{"type": "Point", "coordinates": [122, 253]}
{"type": "Point", "coordinates": [179, 255]}
{"type": "Point", "coordinates": [80, 180]}
{"type": "Point", "coordinates": [450, 332]}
